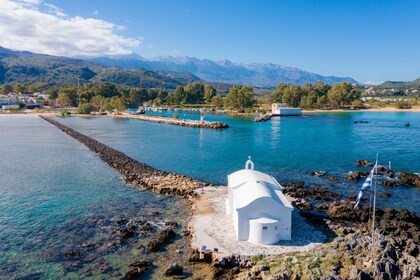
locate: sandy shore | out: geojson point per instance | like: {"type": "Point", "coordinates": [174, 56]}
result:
{"type": "Point", "coordinates": [211, 227]}
{"type": "Point", "coordinates": [385, 109]}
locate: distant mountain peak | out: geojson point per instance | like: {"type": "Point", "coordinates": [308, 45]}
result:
{"type": "Point", "coordinates": [226, 71]}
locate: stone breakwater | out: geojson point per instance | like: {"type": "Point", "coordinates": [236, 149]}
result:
{"type": "Point", "coordinates": [179, 122]}
{"type": "Point", "coordinates": [134, 172]}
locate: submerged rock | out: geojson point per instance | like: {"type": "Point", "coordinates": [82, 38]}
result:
{"type": "Point", "coordinates": [162, 237]}
{"type": "Point", "coordinates": [137, 269]}
{"type": "Point", "coordinates": [363, 162]}
{"type": "Point", "coordinates": [389, 184]}
{"type": "Point", "coordinates": [174, 269]}
{"type": "Point", "coordinates": [410, 179]}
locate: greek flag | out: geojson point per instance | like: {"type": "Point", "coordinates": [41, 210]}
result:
{"type": "Point", "coordinates": [366, 185]}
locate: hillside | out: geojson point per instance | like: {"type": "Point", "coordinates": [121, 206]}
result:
{"type": "Point", "coordinates": [225, 71]}
{"type": "Point", "coordinates": [397, 84]}
{"type": "Point", "coordinates": [27, 67]}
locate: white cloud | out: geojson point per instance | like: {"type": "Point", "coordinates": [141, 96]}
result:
{"type": "Point", "coordinates": [40, 27]}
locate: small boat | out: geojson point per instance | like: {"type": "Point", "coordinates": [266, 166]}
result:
{"type": "Point", "coordinates": [407, 124]}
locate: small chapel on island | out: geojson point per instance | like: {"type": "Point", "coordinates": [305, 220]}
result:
{"type": "Point", "coordinates": [261, 213]}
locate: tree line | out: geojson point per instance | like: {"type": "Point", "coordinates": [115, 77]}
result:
{"type": "Point", "coordinates": [108, 96]}
{"type": "Point", "coordinates": [316, 96]}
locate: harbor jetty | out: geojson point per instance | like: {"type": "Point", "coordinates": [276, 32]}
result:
{"type": "Point", "coordinates": [172, 121]}
{"type": "Point", "coordinates": [134, 172]}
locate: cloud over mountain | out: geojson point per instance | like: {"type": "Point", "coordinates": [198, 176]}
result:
{"type": "Point", "coordinates": [41, 27]}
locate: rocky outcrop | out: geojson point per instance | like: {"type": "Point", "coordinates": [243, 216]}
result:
{"type": "Point", "coordinates": [363, 162]}
{"type": "Point", "coordinates": [356, 175]}
{"type": "Point", "coordinates": [162, 237]}
{"type": "Point", "coordinates": [174, 269]}
{"type": "Point", "coordinates": [298, 190]}
{"type": "Point", "coordinates": [137, 269]}
{"type": "Point", "coordinates": [262, 118]}
{"type": "Point", "coordinates": [389, 184]}
{"type": "Point", "coordinates": [134, 172]}
{"type": "Point", "coordinates": [410, 179]}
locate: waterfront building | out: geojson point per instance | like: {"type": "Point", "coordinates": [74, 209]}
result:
{"type": "Point", "coordinates": [281, 109]}
{"type": "Point", "coordinates": [261, 213]}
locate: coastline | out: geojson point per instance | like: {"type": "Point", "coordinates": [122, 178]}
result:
{"type": "Point", "coordinates": [415, 109]}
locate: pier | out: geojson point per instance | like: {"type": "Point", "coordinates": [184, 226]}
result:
{"type": "Point", "coordinates": [172, 121]}
{"type": "Point", "coordinates": [136, 173]}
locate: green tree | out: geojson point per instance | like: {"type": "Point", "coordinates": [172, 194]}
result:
{"type": "Point", "coordinates": [209, 93]}
{"type": "Point", "coordinates": [194, 93]}
{"type": "Point", "coordinates": [179, 95]}
{"type": "Point", "coordinates": [292, 95]}
{"type": "Point", "coordinates": [217, 101]}
{"type": "Point", "coordinates": [85, 108]}
{"type": "Point", "coordinates": [68, 96]}
{"type": "Point", "coordinates": [275, 96]}
{"type": "Point", "coordinates": [343, 93]}
{"type": "Point", "coordinates": [240, 97]}
{"type": "Point", "coordinates": [118, 103]}
{"type": "Point", "coordinates": [105, 90]}
{"type": "Point", "coordinates": [6, 89]}
{"type": "Point", "coordinates": [19, 88]}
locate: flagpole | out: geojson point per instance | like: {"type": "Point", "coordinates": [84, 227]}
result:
{"type": "Point", "coordinates": [374, 206]}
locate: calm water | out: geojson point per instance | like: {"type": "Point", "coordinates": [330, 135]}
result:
{"type": "Point", "coordinates": [55, 195]}
{"type": "Point", "coordinates": [288, 148]}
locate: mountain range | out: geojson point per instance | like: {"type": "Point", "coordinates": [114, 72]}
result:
{"type": "Point", "coordinates": [26, 67]}
{"type": "Point", "coordinates": [136, 71]}
{"type": "Point", "coordinates": [256, 74]}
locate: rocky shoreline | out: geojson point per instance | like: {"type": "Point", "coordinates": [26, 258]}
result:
{"type": "Point", "coordinates": [179, 122]}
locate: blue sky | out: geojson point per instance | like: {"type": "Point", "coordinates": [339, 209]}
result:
{"type": "Point", "coordinates": [365, 40]}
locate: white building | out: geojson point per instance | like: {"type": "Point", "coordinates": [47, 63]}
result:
{"type": "Point", "coordinates": [261, 213]}
{"type": "Point", "coordinates": [281, 109]}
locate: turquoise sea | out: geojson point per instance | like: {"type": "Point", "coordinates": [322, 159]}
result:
{"type": "Point", "coordinates": [288, 148]}
{"type": "Point", "coordinates": [55, 194]}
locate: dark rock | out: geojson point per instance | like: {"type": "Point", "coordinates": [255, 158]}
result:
{"type": "Point", "coordinates": [389, 184]}
{"type": "Point", "coordinates": [137, 269]}
{"type": "Point", "coordinates": [194, 256]}
{"type": "Point", "coordinates": [174, 269]}
{"type": "Point", "coordinates": [357, 274]}
{"type": "Point", "coordinates": [390, 173]}
{"type": "Point", "coordinates": [381, 168]}
{"type": "Point", "coordinates": [333, 179]}
{"type": "Point", "coordinates": [356, 175]}
{"type": "Point", "coordinates": [126, 233]}
{"type": "Point", "coordinates": [302, 204]}
{"type": "Point", "coordinates": [385, 194]}
{"type": "Point", "coordinates": [409, 179]}
{"type": "Point", "coordinates": [363, 162]}
{"type": "Point", "coordinates": [228, 262]}
{"type": "Point", "coordinates": [162, 237]}
{"type": "Point", "coordinates": [73, 255]}
{"type": "Point", "coordinates": [171, 224]}
{"type": "Point", "coordinates": [342, 210]}
{"type": "Point", "coordinates": [298, 190]}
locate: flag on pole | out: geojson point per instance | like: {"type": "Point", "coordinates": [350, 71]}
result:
{"type": "Point", "coordinates": [366, 185]}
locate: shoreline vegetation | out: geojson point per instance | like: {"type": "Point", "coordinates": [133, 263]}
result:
{"type": "Point", "coordinates": [49, 113]}
{"type": "Point", "coordinates": [344, 255]}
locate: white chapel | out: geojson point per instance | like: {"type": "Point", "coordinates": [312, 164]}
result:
{"type": "Point", "coordinates": [261, 213]}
